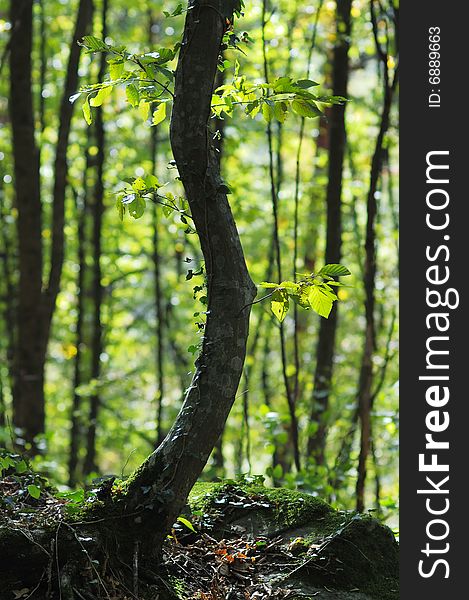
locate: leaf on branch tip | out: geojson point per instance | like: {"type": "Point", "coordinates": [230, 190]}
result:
{"type": "Point", "coordinates": [279, 304]}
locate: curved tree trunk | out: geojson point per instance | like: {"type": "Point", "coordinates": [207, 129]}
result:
{"type": "Point", "coordinates": [174, 467]}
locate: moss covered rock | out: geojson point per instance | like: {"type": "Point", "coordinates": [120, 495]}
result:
{"type": "Point", "coordinates": [338, 554]}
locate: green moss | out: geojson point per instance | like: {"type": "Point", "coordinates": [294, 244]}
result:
{"type": "Point", "coordinates": [289, 509]}
{"type": "Point", "coordinates": [355, 551]}
{"type": "Point", "coordinates": [178, 587]}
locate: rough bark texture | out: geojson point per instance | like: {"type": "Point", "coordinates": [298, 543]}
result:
{"type": "Point", "coordinates": [337, 140]}
{"type": "Point", "coordinates": [174, 467]}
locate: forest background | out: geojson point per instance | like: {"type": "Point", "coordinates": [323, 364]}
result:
{"type": "Point", "coordinates": [317, 404]}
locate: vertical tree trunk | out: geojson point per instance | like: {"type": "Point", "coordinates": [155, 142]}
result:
{"type": "Point", "coordinates": [97, 210]}
{"type": "Point", "coordinates": [28, 393]}
{"type": "Point", "coordinates": [82, 24]}
{"type": "Point", "coordinates": [274, 186]}
{"type": "Point", "coordinates": [36, 307]}
{"type": "Point", "coordinates": [364, 396]}
{"type": "Point", "coordinates": [159, 308]}
{"type": "Point", "coordinates": [75, 421]}
{"type": "Point", "coordinates": [175, 466]}
{"type": "Point", "coordinates": [337, 140]}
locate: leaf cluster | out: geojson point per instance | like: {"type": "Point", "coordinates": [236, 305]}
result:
{"type": "Point", "coordinates": [314, 291]}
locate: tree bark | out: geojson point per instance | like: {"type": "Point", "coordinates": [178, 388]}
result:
{"type": "Point", "coordinates": [175, 466]}
{"type": "Point", "coordinates": [337, 139]}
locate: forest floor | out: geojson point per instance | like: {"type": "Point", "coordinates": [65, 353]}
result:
{"type": "Point", "coordinates": [233, 543]}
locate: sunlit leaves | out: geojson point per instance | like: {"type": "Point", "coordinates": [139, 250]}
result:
{"type": "Point", "coordinates": [116, 69]}
{"type": "Point", "coordinates": [320, 301]}
{"type": "Point", "coordinates": [94, 44]}
{"type": "Point", "coordinates": [133, 95]}
{"type": "Point", "coordinates": [87, 111]}
{"type": "Point", "coordinates": [279, 304]}
{"type": "Point", "coordinates": [159, 114]}
{"type": "Point", "coordinates": [274, 100]}
{"type": "Point", "coordinates": [334, 270]}
{"type": "Point", "coordinates": [313, 291]}
{"type": "Point", "coordinates": [103, 93]}
{"type": "Point", "coordinates": [305, 108]}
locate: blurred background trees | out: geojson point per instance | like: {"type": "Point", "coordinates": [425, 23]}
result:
{"type": "Point", "coordinates": [112, 313]}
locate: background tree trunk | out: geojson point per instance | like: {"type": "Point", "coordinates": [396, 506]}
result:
{"type": "Point", "coordinates": [28, 392]}
{"type": "Point", "coordinates": [35, 306]}
{"type": "Point", "coordinates": [337, 141]}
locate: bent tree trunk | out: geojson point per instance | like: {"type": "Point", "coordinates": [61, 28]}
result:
{"type": "Point", "coordinates": [137, 521]}
{"type": "Point", "coordinates": [176, 464]}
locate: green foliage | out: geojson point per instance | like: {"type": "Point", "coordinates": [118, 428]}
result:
{"type": "Point", "coordinates": [186, 523]}
{"type": "Point", "coordinates": [34, 491]}
{"type": "Point", "coordinates": [312, 291]}
{"type": "Point", "coordinates": [274, 100]}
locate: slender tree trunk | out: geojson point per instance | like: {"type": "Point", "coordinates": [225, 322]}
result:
{"type": "Point", "coordinates": [97, 288]}
{"type": "Point", "coordinates": [337, 138]}
{"type": "Point", "coordinates": [6, 270]}
{"type": "Point", "coordinates": [294, 433]}
{"type": "Point", "coordinates": [82, 24]}
{"type": "Point", "coordinates": [175, 466]}
{"type": "Point", "coordinates": [364, 396]}
{"type": "Point", "coordinates": [75, 420]}
{"type": "Point", "coordinates": [156, 255]}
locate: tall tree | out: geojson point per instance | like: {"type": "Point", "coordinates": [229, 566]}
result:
{"type": "Point", "coordinates": [176, 464]}
{"type": "Point", "coordinates": [97, 209]}
{"type": "Point", "coordinates": [365, 396]}
{"type": "Point", "coordinates": [36, 300]}
{"type": "Point", "coordinates": [337, 141]}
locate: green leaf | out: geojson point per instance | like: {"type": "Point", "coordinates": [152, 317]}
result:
{"type": "Point", "coordinates": [21, 467]}
{"type": "Point", "coordinates": [280, 304]}
{"type": "Point", "coordinates": [306, 83]}
{"type": "Point", "coordinates": [101, 96]}
{"type": "Point", "coordinates": [277, 471]}
{"type": "Point", "coordinates": [290, 286]}
{"type": "Point", "coordinates": [159, 114]}
{"type": "Point", "coordinates": [34, 491]}
{"type": "Point", "coordinates": [280, 111]}
{"type": "Point", "coordinates": [319, 301]}
{"type": "Point", "coordinates": [73, 495]}
{"type": "Point", "coordinates": [139, 184]}
{"type": "Point", "coordinates": [267, 112]}
{"type": "Point", "coordinates": [267, 285]}
{"type": "Point", "coordinates": [87, 111]}
{"type": "Point", "coordinates": [187, 523]}
{"type": "Point", "coordinates": [305, 108]}
{"type": "Point", "coordinates": [152, 182]}
{"type": "Point", "coordinates": [116, 68]}
{"type": "Point", "coordinates": [137, 207]}
{"type": "Point", "coordinates": [334, 270]}
{"type": "Point", "coordinates": [133, 95]}
{"type": "Point", "coordinates": [144, 109]}
{"type": "Point", "coordinates": [94, 44]}
{"type": "Point", "coordinates": [120, 208]}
